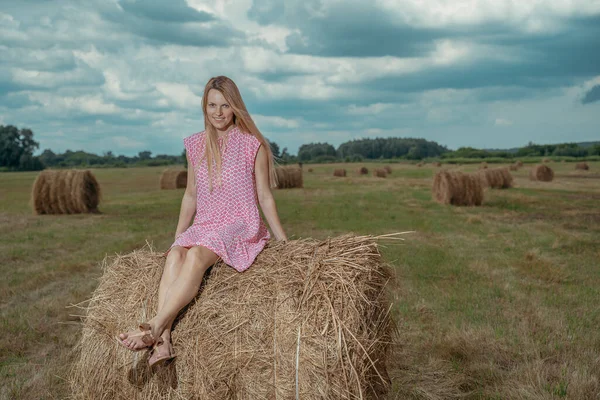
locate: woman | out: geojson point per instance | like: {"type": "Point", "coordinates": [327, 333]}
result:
{"type": "Point", "coordinates": [232, 168]}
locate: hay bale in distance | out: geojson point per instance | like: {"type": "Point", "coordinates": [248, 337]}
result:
{"type": "Point", "coordinates": [582, 166]}
{"type": "Point", "coordinates": [496, 178]}
{"type": "Point", "coordinates": [173, 179]}
{"type": "Point", "coordinates": [542, 173]}
{"type": "Point", "coordinates": [308, 317]}
{"type": "Point", "coordinates": [310, 170]}
{"type": "Point", "coordinates": [437, 164]}
{"type": "Point", "coordinates": [388, 169]}
{"type": "Point", "coordinates": [339, 172]}
{"type": "Point", "coordinates": [289, 177]}
{"type": "Point", "coordinates": [546, 160]}
{"type": "Point", "coordinates": [519, 163]}
{"type": "Point", "coordinates": [419, 164]}
{"type": "Point", "coordinates": [513, 167]}
{"type": "Point", "coordinates": [380, 173]}
{"type": "Point", "coordinates": [483, 165]}
{"type": "Point", "coordinates": [363, 171]}
{"type": "Point", "coordinates": [457, 189]}
{"type": "Point", "coordinates": [65, 192]}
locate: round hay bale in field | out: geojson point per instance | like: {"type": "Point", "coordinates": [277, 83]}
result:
{"type": "Point", "coordinates": [582, 166]}
{"type": "Point", "coordinates": [546, 160]}
{"type": "Point", "coordinates": [541, 173]}
{"type": "Point", "coordinates": [483, 165]}
{"type": "Point", "coordinates": [496, 178]}
{"type": "Point", "coordinates": [519, 163]}
{"type": "Point", "coordinates": [310, 170]}
{"type": "Point", "coordinates": [309, 319]}
{"type": "Point", "coordinates": [65, 192]}
{"type": "Point", "coordinates": [173, 179]}
{"type": "Point", "coordinates": [388, 169]}
{"type": "Point", "coordinates": [437, 164]}
{"type": "Point", "coordinates": [289, 177]}
{"type": "Point", "coordinates": [363, 171]}
{"type": "Point", "coordinates": [380, 173]}
{"type": "Point", "coordinates": [339, 172]}
{"type": "Point", "coordinates": [420, 164]}
{"type": "Point", "coordinates": [457, 189]}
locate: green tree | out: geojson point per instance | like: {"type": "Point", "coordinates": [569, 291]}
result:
{"type": "Point", "coordinates": [17, 147]}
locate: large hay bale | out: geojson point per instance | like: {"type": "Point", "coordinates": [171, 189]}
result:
{"type": "Point", "coordinates": [457, 189]}
{"type": "Point", "coordinates": [339, 172]}
{"type": "Point", "coordinates": [380, 173]}
{"type": "Point", "coordinates": [582, 166]}
{"type": "Point", "coordinates": [65, 192]}
{"type": "Point", "coordinates": [496, 178]}
{"type": "Point", "coordinates": [289, 177]}
{"type": "Point", "coordinates": [173, 179]}
{"type": "Point", "coordinates": [388, 169]}
{"type": "Point", "coordinates": [309, 319]}
{"type": "Point", "coordinates": [541, 173]}
{"type": "Point", "coordinates": [363, 171]}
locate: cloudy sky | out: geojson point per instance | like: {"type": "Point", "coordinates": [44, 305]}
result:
{"type": "Point", "coordinates": [127, 75]}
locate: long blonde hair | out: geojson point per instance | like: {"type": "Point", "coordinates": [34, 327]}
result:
{"type": "Point", "coordinates": [241, 119]}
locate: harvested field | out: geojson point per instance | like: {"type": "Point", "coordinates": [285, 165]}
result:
{"type": "Point", "coordinates": [501, 298]}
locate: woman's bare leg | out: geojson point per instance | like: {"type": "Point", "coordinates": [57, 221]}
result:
{"type": "Point", "coordinates": [185, 287]}
{"type": "Point", "coordinates": [173, 264]}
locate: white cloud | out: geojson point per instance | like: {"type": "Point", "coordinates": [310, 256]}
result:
{"type": "Point", "coordinates": [179, 95]}
{"type": "Point", "coordinates": [502, 122]}
{"type": "Point", "coordinates": [275, 121]}
{"type": "Point", "coordinates": [371, 109]}
{"type": "Point", "coordinates": [125, 142]}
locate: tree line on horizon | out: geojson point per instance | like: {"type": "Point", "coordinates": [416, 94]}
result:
{"type": "Point", "coordinates": [17, 147]}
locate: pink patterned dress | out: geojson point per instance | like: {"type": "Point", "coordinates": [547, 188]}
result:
{"type": "Point", "coordinates": [227, 220]}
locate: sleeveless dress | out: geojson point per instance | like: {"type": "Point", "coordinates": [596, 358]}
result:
{"type": "Point", "coordinates": [227, 220]}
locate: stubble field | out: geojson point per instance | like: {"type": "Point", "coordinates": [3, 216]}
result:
{"type": "Point", "coordinates": [491, 302]}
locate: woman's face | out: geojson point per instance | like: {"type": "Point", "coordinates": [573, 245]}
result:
{"type": "Point", "coordinates": [219, 111]}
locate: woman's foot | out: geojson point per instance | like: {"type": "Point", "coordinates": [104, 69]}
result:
{"type": "Point", "coordinates": [161, 353]}
{"type": "Point", "coordinates": [141, 339]}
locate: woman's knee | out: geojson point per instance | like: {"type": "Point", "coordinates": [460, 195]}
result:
{"type": "Point", "coordinates": [176, 257]}
{"type": "Point", "coordinates": [200, 257]}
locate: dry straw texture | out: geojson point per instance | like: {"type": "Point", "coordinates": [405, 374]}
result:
{"type": "Point", "coordinates": [363, 171]}
{"type": "Point", "coordinates": [65, 192]}
{"type": "Point", "coordinates": [388, 169]}
{"type": "Point", "coordinates": [289, 177]}
{"type": "Point", "coordinates": [339, 172]}
{"type": "Point", "coordinates": [457, 189]}
{"type": "Point", "coordinates": [173, 179]}
{"type": "Point", "coordinates": [541, 173]}
{"type": "Point", "coordinates": [496, 178]}
{"type": "Point", "coordinates": [380, 173]}
{"type": "Point", "coordinates": [582, 165]}
{"type": "Point", "coordinates": [308, 320]}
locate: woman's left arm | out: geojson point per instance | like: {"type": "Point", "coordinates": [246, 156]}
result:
{"type": "Point", "coordinates": [265, 197]}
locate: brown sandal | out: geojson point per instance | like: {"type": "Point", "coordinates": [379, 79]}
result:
{"type": "Point", "coordinates": [157, 358]}
{"type": "Point", "coordinates": [146, 335]}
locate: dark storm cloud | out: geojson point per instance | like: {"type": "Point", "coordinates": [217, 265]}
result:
{"type": "Point", "coordinates": [346, 30]}
{"type": "Point", "coordinates": [205, 31]}
{"type": "Point", "coordinates": [165, 11]}
{"type": "Point", "coordinates": [592, 95]}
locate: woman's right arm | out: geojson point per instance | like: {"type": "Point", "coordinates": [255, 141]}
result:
{"type": "Point", "coordinates": [188, 203]}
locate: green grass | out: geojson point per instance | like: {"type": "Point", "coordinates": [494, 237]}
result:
{"type": "Point", "coordinates": [492, 302]}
